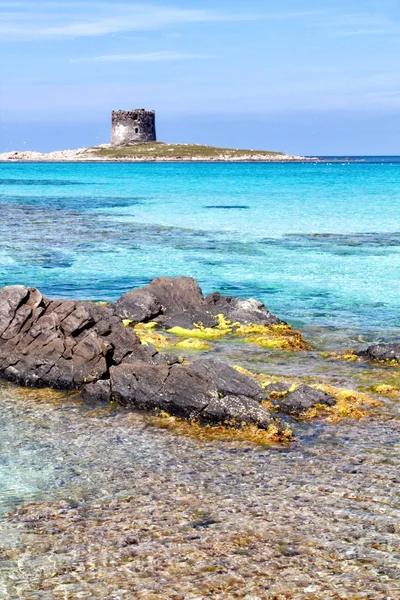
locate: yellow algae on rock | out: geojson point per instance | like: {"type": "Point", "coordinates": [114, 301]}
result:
{"type": "Point", "coordinates": [279, 337]}
{"type": "Point", "coordinates": [194, 344]}
{"type": "Point", "coordinates": [383, 388]}
{"type": "Point", "coordinates": [147, 335]}
{"type": "Point", "coordinates": [205, 333]}
{"type": "Point", "coordinates": [244, 371]}
{"type": "Point", "coordinates": [347, 355]}
{"type": "Point", "coordinates": [386, 390]}
{"type": "Point", "coordinates": [349, 404]}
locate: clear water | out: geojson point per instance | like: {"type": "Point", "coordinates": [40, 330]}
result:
{"type": "Point", "coordinates": [319, 243]}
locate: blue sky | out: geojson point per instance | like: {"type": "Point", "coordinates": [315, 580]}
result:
{"type": "Point", "coordinates": [310, 77]}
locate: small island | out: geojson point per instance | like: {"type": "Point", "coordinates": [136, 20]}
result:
{"type": "Point", "coordinates": [152, 152]}
{"type": "Point", "coordinates": [133, 139]}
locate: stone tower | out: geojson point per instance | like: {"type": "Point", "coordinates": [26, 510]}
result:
{"type": "Point", "coordinates": [133, 126]}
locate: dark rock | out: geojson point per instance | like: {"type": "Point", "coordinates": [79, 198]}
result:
{"type": "Point", "coordinates": [62, 344]}
{"type": "Point", "coordinates": [187, 392]}
{"type": "Point", "coordinates": [279, 386]}
{"type": "Point", "coordinates": [179, 302]}
{"type": "Point", "coordinates": [138, 305]}
{"type": "Point", "coordinates": [382, 352]}
{"type": "Point", "coordinates": [11, 298]}
{"type": "Point", "coordinates": [188, 319]}
{"type": "Point", "coordinates": [175, 294]}
{"type": "Point", "coordinates": [81, 345]}
{"type": "Point", "coordinates": [236, 410]}
{"type": "Point", "coordinates": [243, 311]}
{"type": "Point", "coordinates": [175, 389]}
{"type": "Point", "coordinates": [99, 391]}
{"type": "Point", "coordinates": [227, 379]}
{"type": "Point", "coordinates": [303, 398]}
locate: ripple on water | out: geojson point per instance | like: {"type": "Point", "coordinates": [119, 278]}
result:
{"type": "Point", "coordinates": [176, 516]}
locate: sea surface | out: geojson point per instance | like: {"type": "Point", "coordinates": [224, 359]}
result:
{"type": "Point", "coordinates": [97, 503]}
{"type": "Point", "coordinates": [319, 243]}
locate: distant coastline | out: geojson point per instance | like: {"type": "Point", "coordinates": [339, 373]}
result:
{"type": "Point", "coordinates": [152, 152]}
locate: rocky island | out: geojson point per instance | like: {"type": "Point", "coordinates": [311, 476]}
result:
{"type": "Point", "coordinates": [133, 139]}
{"type": "Point", "coordinates": [151, 152]}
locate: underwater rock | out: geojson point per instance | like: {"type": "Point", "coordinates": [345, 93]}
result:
{"type": "Point", "coordinates": [303, 398]}
{"type": "Point", "coordinates": [382, 352]}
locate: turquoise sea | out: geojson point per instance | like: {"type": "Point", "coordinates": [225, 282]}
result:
{"type": "Point", "coordinates": [97, 502]}
{"type": "Point", "coordinates": [319, 243]}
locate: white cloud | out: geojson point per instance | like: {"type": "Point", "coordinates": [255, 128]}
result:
{"type": "Point", "coordinates": [164, 55]}
{"type": "Point", "coordinates": [63, 20]}
{"type": "Point", "coordinates": [24, 21]}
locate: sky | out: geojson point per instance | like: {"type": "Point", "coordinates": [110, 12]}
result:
{"type": "Point", "coordinates": [311, 77]}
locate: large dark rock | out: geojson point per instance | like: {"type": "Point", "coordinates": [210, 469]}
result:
{"type": "Point", "coordinates": [279, 387]}
{"type": "Point", "coordinates": [175, 389]}
{"type": "Point", "coordinates": [227, 379]}
{"type": "Point", "coordinates": [67, 344]}
{"type": "Point", "coordinates": [236, 410]}
{"type": "Point", "coordinates": [62, 344]}
{"type": "Point", "coordinates": [303, 398]}
{"type": "Point", "coordinates": [138, 306]}
{"type": "Point", "coordinates": [247, 311]}
{"type": "Point", "coordinates": [185, 391]}
{"type": "Point", "coordinates": [179, 302]}
{"type": "Point", "coordinates": [188, 319]}
{"type": "Point", "coordinates": [382, 352]}
{"type": "Point", "coordinates": [175, 294]}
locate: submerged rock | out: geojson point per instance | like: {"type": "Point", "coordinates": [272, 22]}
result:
{"type": "Point", "coordinates": [303, 398]}
{"type": "Point", "coordinates": [382, 352]}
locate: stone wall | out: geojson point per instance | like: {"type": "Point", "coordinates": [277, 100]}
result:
{"type": "Point", "coordinates": [133, 126]}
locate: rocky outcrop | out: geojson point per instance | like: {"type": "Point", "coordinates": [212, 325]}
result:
{"type": "Point", "coordinates": [68, 344]}
{"type": "Point", "coordinates": [382, 352]}
{"type": "Point", "coordinates": [179, 302]}
{"type": "Point", "coordinates": [61, 344]}
{"type": "Point", "coordinates": [303, 398]}
{"type": "Point", "coordinates": [201, 390]}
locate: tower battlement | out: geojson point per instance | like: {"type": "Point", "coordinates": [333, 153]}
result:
{"type": "Point", "coordinates": [133, 126]}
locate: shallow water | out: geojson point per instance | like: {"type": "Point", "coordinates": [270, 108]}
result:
{"type": "Point", "coordinates": [319, 244]}
{"type": "Point", "coordinates": [127, 510]}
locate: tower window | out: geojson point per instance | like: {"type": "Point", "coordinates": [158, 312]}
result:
{"type": "Point", "coordinates": [136, 129]}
